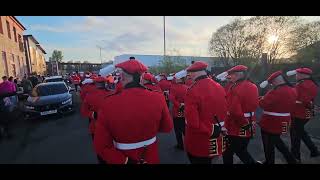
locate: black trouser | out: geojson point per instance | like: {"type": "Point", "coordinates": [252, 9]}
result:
{"type": "Point", "coordinates": [100, 160]}
{"type": "Point", "coordinates": [199, 160]}
{"type": "Point", "coordinates": [76, 87]}
{"type": "Point", "coordinates": [270, 141]}
{"type": "Point", "coordinates": [237, 145]}
{"type": "Point", "coordinates": [4, 122]}
{"type": "Point", "coordinates": [298, 133]}
{"type": "Point", "coordinates": [179, 127]}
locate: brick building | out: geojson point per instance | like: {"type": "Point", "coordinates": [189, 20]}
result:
{"type": "Point", "coordinates": [12, 57]}
{"type": "Point", "coordinates": [35, 55]}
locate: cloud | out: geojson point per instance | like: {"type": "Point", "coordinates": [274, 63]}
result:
{"type": "Point", "coordinates": [41, 27]}
{"type": "Point", "coordinates": [139, 35]}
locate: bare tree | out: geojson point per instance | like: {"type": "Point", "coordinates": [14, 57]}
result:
{"type": "Point", "coordinates": [248, 39]}
{"type": "Point", "coordinates": [276, 32]}
{"type": "Point", "coordinates": [305, 35]}
{"type": "Point", "coordinates": [236, 41]}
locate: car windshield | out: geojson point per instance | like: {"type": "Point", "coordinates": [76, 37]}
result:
{"type": "Point", "coordinates": [51, 89]}
{"type": "Point", "coordinates": [54, 80]}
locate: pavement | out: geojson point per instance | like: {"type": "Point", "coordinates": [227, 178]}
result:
{"type": "Point", "coordinates": [65, 140]}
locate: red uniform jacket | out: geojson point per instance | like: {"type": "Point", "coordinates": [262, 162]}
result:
{"type": "Point", "coordinates": [75, 79]}
{"type": "Point", "coordinates": [281, 99]}
{"type": "Point", "coordinates": [204, 100]}
{"type": "Point", "coordinates": [227, 86]}
{"type": "Point", "coordinates": [165, 84]}
{"type": "Point", "coordinates": [81, 77]}
{"type": "Point", "coordinates": [189, 82]}
{"type": "Point", "coordinates": [92, 102]}
{"type": "Point", "coordinates": [177, 95]}
{"type": "Point", "coordinates": [154, 87]}
{"type": "Point", "coordinates": [307, 92]}
{"type": "Point", "coordinates": [119, 87]}
{"type": "Point", "coordinates": [242, 98]}
{"type": "Point", "coordinates": [86, 88]}
{"type": "Point", "coordinates": [131, 116]}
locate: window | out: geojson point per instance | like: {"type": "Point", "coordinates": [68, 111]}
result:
{"type": "Point", "coordinates": [14, 70]}
{"type": "Point", "coordinates": [20, 43]}
{"type": "Point", "coordinates": [4, 60]}
{"type": "Point", "coordinates": [15, 34]}
{"type": "Point", "coordinates": [8, 29]}
{"type": "Point", "coordinates": [13, 59]}
{"type": "Point", "coordinates": [1, 29]}
{"type": "Point", "coordinates": [51, 89]}
{"type": "Point", "coordinates": [19, 65]}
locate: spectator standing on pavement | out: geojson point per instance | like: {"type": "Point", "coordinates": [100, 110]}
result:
{"type": "Point", "coordinates": [307, 90]}
{"type": "Point", "coordinates": [14, 85]}
{"type": "Point", "coordinates": [14, 99]}
{"type": "Point", "coordinates": [16, 80]}
{"type": "Point", "coordinates": [34, 80]}
{"type": "Point", "coordinates": [6, 105]}
{"type": "Point", "coordinates": [39, 78]}
{"type": "Point", "coordinates": [26, 84]}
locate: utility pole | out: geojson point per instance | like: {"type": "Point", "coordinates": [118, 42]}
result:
{"type": "Point", "coordinates": [100, 53]}
{"type": "Point", "coordinates": [164, 37]}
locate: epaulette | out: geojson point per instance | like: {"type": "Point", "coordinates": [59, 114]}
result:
{"type": "Point", "coordinates": [145, 87]}
{"type": "Point", "coordinates": [301, 81]}
{"type": "Point", "coordinates": [114, 93]}
{"type": "Point", "coordinates": [157, 91]}
{"type": "Point", "coordinates": [239, 81]}
{"type": "Point", "coordinates": [194, 83]}
{"type": "Point", "coordinates": [233, 85]}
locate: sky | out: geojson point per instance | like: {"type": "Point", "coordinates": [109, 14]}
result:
{"type": "Point", "coordinates": [79, 37]}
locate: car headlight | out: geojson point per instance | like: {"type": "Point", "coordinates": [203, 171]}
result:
{"type": "Point", "coordinates": [29, 107]}
{"type": "Point", "coordinates": [68, 101]}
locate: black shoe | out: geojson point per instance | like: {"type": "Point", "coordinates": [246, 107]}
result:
{"type": "Point", "coordinates": [298, 161]}
{"type": "Point", "coordinates": [315, 154]}
{"type": "Point", "coordinates": [7, 135]}
{"type": "Point", "coordinates": [180, 147]}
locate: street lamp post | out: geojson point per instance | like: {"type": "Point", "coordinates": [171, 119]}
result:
{"type": "Point", "coordinates": [164, 37]}
{"type": "Point", "coordinates": [100, 53]}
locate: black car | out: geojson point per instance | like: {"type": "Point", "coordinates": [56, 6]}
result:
{"type": "Point", "coordinates": [48, 98]}
{"type": "Point", "coordinates": [53, 79]}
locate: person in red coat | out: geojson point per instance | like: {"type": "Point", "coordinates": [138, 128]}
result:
{"type": "Point", "coordinates": [242, 102]}
{"type": "Point", "coordinates": [177, 95]}
{"type": "Point", "coordinates": [165, 85]}
{"type": "Point", "coordinates": [223, 78]}
{"type": "Point", "coordinates": [306, 89]}
{"type": "Point", "coordinates": [147, 79]}
{"type": "Point", "coordinates": [129, 120]}
{"type": "Point", "coordinates": [75, 81]}
{"type": "Point", "coordinates": [189, 81]}
{"type": "Point", "coordinates": [205, 112]}
{"type": "Point", "coordinates": [87, 86]}
{"type": "Point", "coordinates": [93, 102]}
{"type": "Point", "coordinates": [277, 105]}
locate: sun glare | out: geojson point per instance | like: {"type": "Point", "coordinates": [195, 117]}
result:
{"type": "Point", "coordinates": [272, 39]}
